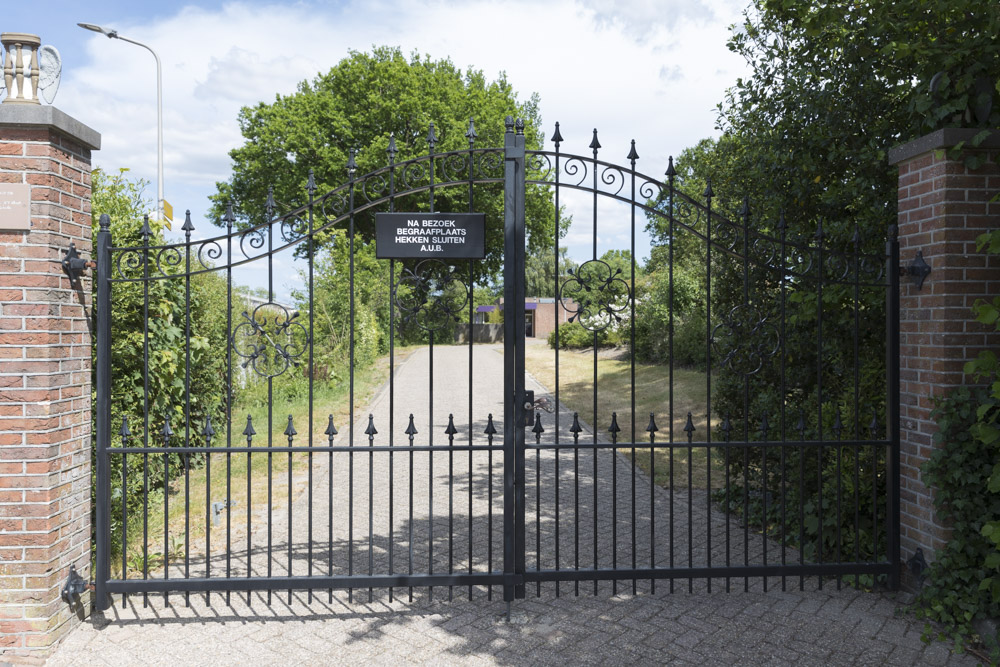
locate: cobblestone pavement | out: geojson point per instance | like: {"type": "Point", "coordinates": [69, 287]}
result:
{"type": "Point", "coordinates": [551, 626]}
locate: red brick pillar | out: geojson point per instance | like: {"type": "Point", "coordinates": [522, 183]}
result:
{"type": "Point", "coordinates": [943, 207]}
{"type": "Point", "coordinates": [45, 412]}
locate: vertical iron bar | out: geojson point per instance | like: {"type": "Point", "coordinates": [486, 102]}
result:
{"type": "Point", "coordinates": [892, 455]}
{"type": "Point", "coordinates": [557, 307]}
{"type": "Point", "coordinates": [351, 166]}
{"type": "Point", "coordinates": [229, 388]}
{"type": "Point", "coordinates": [671, 173]}
{"type": "Point", "coordinates": [514, 417]}
{"type": "Point", "coordinates": [431, 140]}
{"type": "Point", "coordinates": [270, 386]}
{"type": "Point", "coordinates": [819, 399]}
{"type": "Point", "coordinates": [392, 364]}
{"type": "Point", "coordinates": [633, 156]}
{"type": "Point", "coordinates": [103, 416]}
{"type": "Point", "coordinates": [708, 375]}
{"type": "Point", "coordinates": [595, 145]}
{"type": "Point", "coordinates": [857, 402]}
{"type": "Point", "coordinates": [784, 495]}
{"type": "Point", "coordinates": [490, 431]}
{"type": "Point", "coordinates": [187, 402]}
{"type": "Point", "coordinates": [745, 215]}
{"type": "Point", "coordinates": [146, 232]}
{"type": "Point", "coordinates": [311, 250]}
{"type": "Point", "coordinates": [371, 493]}
{"type": "Point", "coordinates": [471, 136]}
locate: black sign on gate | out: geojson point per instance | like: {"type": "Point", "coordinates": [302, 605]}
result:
{"type": "Point", "coordinates": [430, 235]}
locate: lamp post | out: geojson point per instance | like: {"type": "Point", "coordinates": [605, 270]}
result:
{"type": "Point", "coordinates": [113, 34]}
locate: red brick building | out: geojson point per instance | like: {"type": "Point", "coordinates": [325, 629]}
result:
{"type": "Point", "coordinates": [540, 314]}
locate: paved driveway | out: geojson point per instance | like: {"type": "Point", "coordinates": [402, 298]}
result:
{"type": "Point", "coordinates": [793, 626]}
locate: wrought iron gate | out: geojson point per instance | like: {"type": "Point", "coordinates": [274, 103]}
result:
{"type": "Point", "coordinates": [773, 298]}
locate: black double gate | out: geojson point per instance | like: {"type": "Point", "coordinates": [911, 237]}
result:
{"type": "Point", "coordinates": [804, 451]}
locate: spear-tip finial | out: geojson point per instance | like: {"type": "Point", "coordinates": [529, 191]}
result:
{"type": "Point", "coordinates": [671, 172]}
{"type": "Point", "coordinates": [576, 428]}
{"type": "Point", "coordinates": [594, 143]}
{"type": "Point", "coordinates": [290, 430]}
{"type": "Point", "coordinates": [632, 155]}
{"type": "Point", "coordinates": [249, 431]}
{"type": "Point", "coordinates": [166, 430]}
{"type": "Point", "coordinates": [124, 431]}
{"type": "Point", "coordinates": [782, 224]}
{"type": "Point", "coordinates": [146, 230]}
{"type": "Point", "coordinates": [745, 209]}
{"type": "Point", "coordinates": [450, 429]}
{"type": "Point", "coordinates": [331, 430]}
{"type": "Point", "coordinates": [557, 137]}
{"type": "Point", "coordinates": [651, 426]}
{"type": "Point", "coordinates": [726, 427]}
{"type": "Point", "coordinates": [352, 165]}
{"type": "Point", "coordinates": [490, 428]}
{"type": "Point", "coordinates": [838, 424]}
{"type": "Point", "coordinates": [470, 134]}
{"type": "Point", "coordinates": [764, 426]}
{"type": "Point", "coordinates": [689, 426]}
{"type": "Point", "coordinates": [392, 150]}
{"type": "Point", "coordinates": [873, 425]}
{"type": "Point", "coordinates": [709, 193]}
{"type": "Point", "coordinates": [311, 182]}
{"type": "Point", "coordinates": [800, 426]}
{"type": "Point", "coordinates": [188, 226]}
{"type": "Point", "coordinates": [431, 136]}
{"type": "Point", "coordinates": [208, 430]}
{"type": "Point", "coordinates": [614, 428]}
{"type": "Point", "coordinates": [229, 217]}
{"type": "Point", "coordinates": [537, 429]}
{"type": "Point", "coordinates": [370, 431]}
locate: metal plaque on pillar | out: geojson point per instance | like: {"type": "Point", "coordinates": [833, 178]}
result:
{"type": "Point", "coordinates": [15, 207]}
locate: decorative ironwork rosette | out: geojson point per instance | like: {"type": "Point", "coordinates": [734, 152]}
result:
{"type": "Point", "coordinates": [267, 339]}
{"type": "Point", "coordinates": [595, 295]}
{"type": "Point", "coordinates": [430, 295]}
{"type": "Point", "coordinates": [745, 340]}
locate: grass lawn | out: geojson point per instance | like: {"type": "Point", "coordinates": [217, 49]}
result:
{"type": "Point", "coordinates": [225, 475]}
{"type": "Point", "coordinates": [652, 394]}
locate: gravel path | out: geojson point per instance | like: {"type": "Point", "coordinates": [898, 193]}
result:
{"type": "Point", "coordinates": [690, 625]}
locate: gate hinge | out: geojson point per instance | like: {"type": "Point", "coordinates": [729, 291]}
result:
{"type": "Point", "coordinates": [917, 270]}
{"type": "Point", "coordinates": [73, 264]}
{"type": "Point", "coordinates": [74, 586]}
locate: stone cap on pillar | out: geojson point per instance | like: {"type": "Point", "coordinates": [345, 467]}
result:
{"type": "Point", "coordinates": [33, 116]}
{"type": "Point", "coordinates": [945, 138]}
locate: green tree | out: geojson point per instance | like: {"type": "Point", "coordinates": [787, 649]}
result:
{"type": "Point", "coordinates": [157, 383]}
{"type": "Point", "coordinates": [540, 272]}
{"type": "Point", "coordinates": [359, 104]}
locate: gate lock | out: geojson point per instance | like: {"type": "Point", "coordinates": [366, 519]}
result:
{"type": "Point", "coordinates": [217, 508]}
{"type": "Point", "coordinates": [531, 405]}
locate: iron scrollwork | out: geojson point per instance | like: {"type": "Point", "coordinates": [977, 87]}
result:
{"type": "Point", "coordinates": [595, 295]}
{"type": "Point", "coordinates": [267, 339]}
{"type": "Point", "coordinates": [430, 295]}
{"type": "Point", "coordinates": [745, 340]}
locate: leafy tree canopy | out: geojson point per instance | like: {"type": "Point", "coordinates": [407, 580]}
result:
{"type": "Point", "coordinates": [358, 104]}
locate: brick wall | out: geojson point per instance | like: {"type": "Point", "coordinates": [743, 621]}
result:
{"type": "Point", "coordinates": [45, 367]}
{"type": "Point", "coordinates": [943, 208]}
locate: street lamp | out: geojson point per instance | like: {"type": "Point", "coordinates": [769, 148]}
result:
{"type": "Point", "coordinates": [113, 34]}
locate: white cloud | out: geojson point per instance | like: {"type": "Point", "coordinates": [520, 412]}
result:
{"type": "Point", "coordinates": [644, 70]}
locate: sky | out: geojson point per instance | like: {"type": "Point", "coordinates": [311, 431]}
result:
{"type": "Point", "coordinates": [648, 70]}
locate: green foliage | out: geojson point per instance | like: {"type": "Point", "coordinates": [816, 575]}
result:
{"type": "Point", "coordinates": [959, 470]}
{"type": "Point", "coordinates": [358, 104]}
{"type": "Point", "coordinates": [161, 377]}
{"type": "Point", "coordinates": [573, 335]}
{"type": "Point", "coordinates": [539, 271]}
